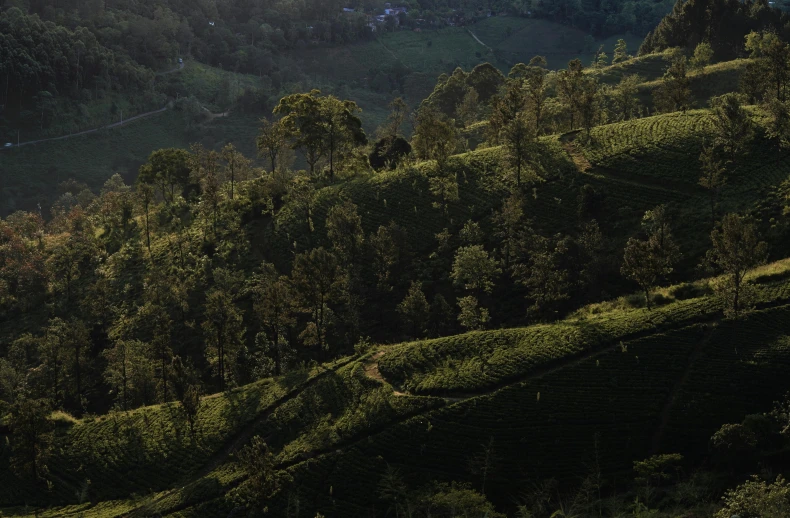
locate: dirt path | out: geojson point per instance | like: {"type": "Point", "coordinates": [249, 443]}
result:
{"type": "Point", "coordinates": [109, 126]}
{"type": "Point", "coordinates": [569, 145]}
{"type": "Point", "coordinates": [212, 116]}
{"type": "Point", "coordinates": [478, 39]}
{"type": "Point", "coordinates": [673, 395]}
{"type": "Point", "coordinates": [372, 371]}
{"type": "Point", "coordinates": [176, 69]}
{"type": "Point", "coordinates": [86, 132]}
{"type": "Point", "coordinates": [388, 50]}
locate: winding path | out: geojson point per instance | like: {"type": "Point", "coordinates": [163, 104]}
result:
{"type": "Point", "coordinates": [108, 126]}
{"type": "Point", "coordinates": [478, 39]}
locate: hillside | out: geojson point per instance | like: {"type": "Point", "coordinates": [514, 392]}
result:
{"type": "Point", "coordinates": [426, 274]}
{"type": "Point", "coordinates": [403, 63]}
{"type": "Point", "coordinates": [617, 383]}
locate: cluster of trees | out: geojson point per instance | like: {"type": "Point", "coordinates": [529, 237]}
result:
{"type": "Point", "coordinates": [600, 18]}
{"type": "Point", "coordinates": [213, 271]}
{"type": "Point", "coordinates": [531, 100]}
{"type": "Point", "coordinates": [40, 61]}
{"type": "Point", "coordinates": [724, 24]}
{"type": "Point", "coordinates": [148, 291]}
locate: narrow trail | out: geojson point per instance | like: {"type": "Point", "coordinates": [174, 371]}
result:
{"type": "Point", "coordinates": [94, 130]}
{"type": "Point", "coordinates": [372, 371]}
{"type": "Point", "coordinates": [478, 39]}
{"type": "Point", "coordinates": [554, 366]}
{"type": "Point", "coordinates": [666, 412]}
{"type": "Point", "coordinates": [395, 57]}
{"type": "Point", "coordinates": [569, 145]}
{"type": "Point", "coordinates": [371, 368]}
{"type": "Point", "coordinates": [109, 126]}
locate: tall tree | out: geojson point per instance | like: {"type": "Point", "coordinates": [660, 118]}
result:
{"type": "Point", "coordinates": [223, 330]}
{"type": "Point", "coordinates": [321, 126]}
{"type": "Point", "coordinates": [713, 176]}
{"type": "Point", "coordinates": [318, 281]}
{"type": "Point", "coordinates": [620, 52]}
{"type": "Point", "coordinates": [414, 310]}
{"type": "Point", "coordinates": [434, 135]}
{"type": "Point", "coordinates": [126, 371]}
{"type": "Point", "coordinates": [274, 309]}
{"type": "Point", "coordinates": [569, 88]}
{"type": "Point", "coordinates": [205, 171]}
{"type": "Point", "coordinates": [537, 88]}
{"type": "Point", "coordinates": [237, 167]}
{"type": "Point", "coordinates": [30, 438]}
{"type": "Point", "coordinates": [736, 249]}
{"type": "Point", "coordinates": [589, 104]}
{"type": "Point", "coordinates": [625, 96]}
{"type": "Point", "coordinates": [510, 230]}
{"type": "Point", "coordinates": [399, 110]}
{"type": "Point", "coordinates": [768, 75]}
{"type": "Point", "coordinates": [469, 107]}
{"type": "Point", "coordinates": [646, 261]}
{"type": "Point", "coordinates": [471, 315]}
{"type": "Point", "coordinates": [512, 124]}
{"type": "Point", "coordinates": [344, 230]}
{"type": "Point", "coordinates": [145, 200]}
{"type": "Point", "coordinates": [703, 53]}
{"type": "Point", "coordinates": [272, 139]}
{"type": "Point", "coordinates": [732, 126]}
{"type": "Point", "coordinates": [167, 170]}
{"type": "Point", "coordinates": [673, 93]}
{"type": "Point", "coordinates": [474, 269]}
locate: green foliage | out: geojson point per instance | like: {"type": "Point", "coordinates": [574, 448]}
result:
{"type": "Point", "coordinates": [414, 310]}
{"type": "Point", "coordinates": [757, 498]}
{"type": "Point", "coordinates": [736, 249]}
{"type": "Point", "coordinates": [31, 437]}
{"type": "Point", "coordinates": [168, 170]}
{"type": "Point", "coordinates": [434, 135]}
{"type": "Point", "coordinates": [471, 315]}
{"type": "Point", "coordinates": [674, 93]}
{"type": "Point", "coordinates": [474, 269]}
{"type": "Point", "coordinates": [647, 261]}
{"type": "Point", "coordinates": [688, 24]}
{"type": "Point", "coordinates": [658, 469]}
{"type": "Point", "coordinates": [321, 126]}
{"type": "Point", "coordinates": [703, 54]}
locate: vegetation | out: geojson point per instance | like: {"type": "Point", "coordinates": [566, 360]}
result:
{"type": "Point", "coordinates": [435, 317]}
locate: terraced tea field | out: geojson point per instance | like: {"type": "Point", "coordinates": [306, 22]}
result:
{"type": "Point", "coordinates": [614, 386]}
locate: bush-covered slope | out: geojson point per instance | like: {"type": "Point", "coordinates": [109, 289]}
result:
{"type": "Point", "coordinates": [655, 381]}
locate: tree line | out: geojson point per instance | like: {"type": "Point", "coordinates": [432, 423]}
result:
{"type": "Point", "coordinates": [180, 282]}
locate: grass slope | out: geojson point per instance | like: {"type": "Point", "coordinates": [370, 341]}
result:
{"type": "Point", "coordinates": [655, 391]}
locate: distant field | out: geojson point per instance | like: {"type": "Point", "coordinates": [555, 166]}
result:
{"type": "Point", "coordinates": [426, 55]}
{"type": "Point", "coordinates": [32, 173]}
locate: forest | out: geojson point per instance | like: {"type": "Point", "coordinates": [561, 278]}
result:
{"type": "Point", "coordinates": [82, 52]}
{"type": "Point", "coordinates": [537, 293]}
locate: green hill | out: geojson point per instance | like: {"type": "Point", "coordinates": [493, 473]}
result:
{"type": "Point", "coordinates": [618, 384]}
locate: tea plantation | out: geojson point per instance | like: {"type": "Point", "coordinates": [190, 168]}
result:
{"type": "Point", "coordinates": [607, 385]}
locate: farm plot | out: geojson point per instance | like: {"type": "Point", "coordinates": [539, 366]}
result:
{"type": "Point", "coordinates": [147, 449]}
{"type": "Point", "coordinates": [547, 427]}
{"type": "Point", "coordinates": [662, 146]}
{"type": "Point", "coordinates": [476, 361]}
{"type": "Point", "coordinates": [340, 408]}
